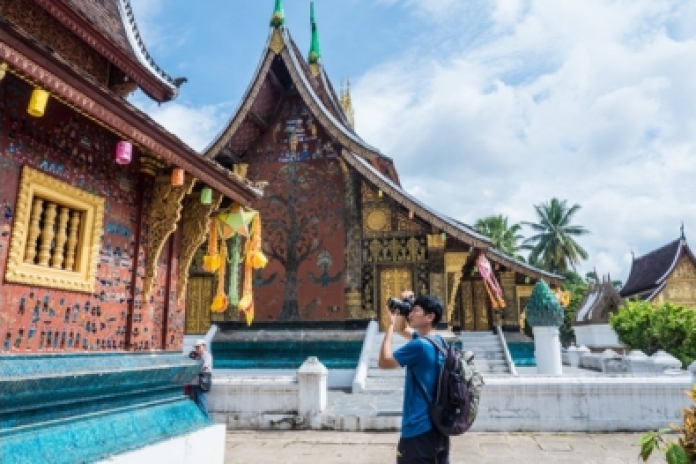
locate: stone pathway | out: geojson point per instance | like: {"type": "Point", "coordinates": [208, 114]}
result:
{"type": "Point", "coordinates": [372, 448]}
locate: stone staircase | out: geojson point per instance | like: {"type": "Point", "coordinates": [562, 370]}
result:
{"type": "Point", "coordinates": [488, 350]}
{"type": "Point", "coordinates": [489, 359]}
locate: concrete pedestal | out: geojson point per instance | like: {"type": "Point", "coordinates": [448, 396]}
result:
{"type": "Point", "coordinates": [547, 350]}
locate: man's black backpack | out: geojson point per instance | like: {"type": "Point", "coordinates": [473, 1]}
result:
{"type": "Point", "coordinates": [459, 386]}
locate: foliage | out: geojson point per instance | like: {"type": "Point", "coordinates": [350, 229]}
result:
{"type": "Point", "coordinates": [681, 451]}
{"type": "Point", "coordinates": [543, 308]}
{"type": "Point", "coordinates": [554, 246]}
{"type": "Point", "coordinates": [647, 327]}
{"type": "Point", "coordinates": [577, 288]}
{"type": "Point", "coordinates": [504, 237]}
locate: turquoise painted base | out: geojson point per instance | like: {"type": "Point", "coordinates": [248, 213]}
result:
{"type": "Point", "coordinates": [85, 407]}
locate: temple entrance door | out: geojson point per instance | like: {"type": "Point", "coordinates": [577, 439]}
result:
{"type": "Point", "coordinates": [475, 306]}
{"type": "Point", "coordinates": [392, 281]}
{"type": "Point", "coordinates": [199, 295]}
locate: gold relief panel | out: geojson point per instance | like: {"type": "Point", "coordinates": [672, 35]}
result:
{"type": "Point", "coordinates": [368, 193]}
{"type": "Point", "coordinates": [392, 281]}
{"type": "Point", "coordinates": [684, 270]}
{"type": "Point", "coordinates": [56, 236]}
{"type": "Point", "coordinates": [376, 220]}
{"type": "Point", "coordinates": [403, 223]}
{"type": "Point", "coordinates": [524, 291]}
{"type": "Point", "coordinates": [683, 292]}
{"type": "Point", "coordinates": [436, 241]}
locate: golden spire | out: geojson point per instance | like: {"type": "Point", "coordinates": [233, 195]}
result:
{"type": "Point", "coordinates": [347, 103]}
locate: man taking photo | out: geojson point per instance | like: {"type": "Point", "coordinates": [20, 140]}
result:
{"type": "Point", "coordinates": [420, 442]}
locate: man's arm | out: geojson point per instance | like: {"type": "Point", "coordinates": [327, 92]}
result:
{"type": "Point", "coordinates": [386, 356]}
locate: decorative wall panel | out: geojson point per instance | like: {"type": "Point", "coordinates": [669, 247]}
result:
{"type": "Point", "coordinates": [303, 214]}
{"type": "Point", "coordinates": [71, 148]}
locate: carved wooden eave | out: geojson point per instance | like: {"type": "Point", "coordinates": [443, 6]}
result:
{"type": "Point", "coordinates": [165, 212]}
{"type": "Point", "coordinates": [39, 66]}
{"type": "Point", "coordinates": [280, 44]}
{"type": "Point", "coordinates": [154, 85]}
{"type": "Point", "coordinates": [496, 256]}
{"type": "Point", "coordinates": [195, 224]}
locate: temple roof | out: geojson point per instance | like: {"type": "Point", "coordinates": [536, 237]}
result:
{"type": "Point", "coordinates": [649, 272]}
{"type": "Point", "coordinates": [283, 61]}
{"type": "Point", "coordinates": [601, 300]}
{"type": "Point", "coordinates": [454, 228]}
{"type": "Point", "coordinates": [83, 93]}
{"type": "Point", "coordinates": [109, 26]}
{"type": "Point", "coordinates": [281, 56]}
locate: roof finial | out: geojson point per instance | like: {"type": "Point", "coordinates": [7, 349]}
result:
{"type": "Point", "coordinates": [314, 50]}
{"type": "Point", "coordinates": [278, 18]}
{"type": "Point", "coordinates": [682, 232]}
{"type": "Point", "coordinates": [347, 104]}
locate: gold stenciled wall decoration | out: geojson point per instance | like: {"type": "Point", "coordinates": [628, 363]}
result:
{"type": "Point", "coordinates": [681, 285]}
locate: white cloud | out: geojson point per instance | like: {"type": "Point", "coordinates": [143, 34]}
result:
{"type": "Point", "coordinates": [196, 126]}
{"type": "Point", "coordinates": [590, 101]}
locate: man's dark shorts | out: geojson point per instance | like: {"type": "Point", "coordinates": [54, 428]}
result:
{"type": "Point", "coordinates": [428, 448]}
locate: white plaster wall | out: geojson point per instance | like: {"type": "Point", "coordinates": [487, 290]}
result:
{"type": "Point", "coordinates": [589, 404]}
{"type": "Point", "coordinates": [596, 335]}
{"type": "Point", "coordinates": [206, 445]}
{"type": "Point", "coordinates": [338, 378]}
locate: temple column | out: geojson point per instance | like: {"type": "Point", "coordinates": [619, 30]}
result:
{"type": "Point", "coordinates": [511, 311]}
{"type": "Point", "coordinates": [454, 264]}
{"type": "Point", "coordinates": [436, 265]}
{"type": "Point", "coordinates": [353, 276]}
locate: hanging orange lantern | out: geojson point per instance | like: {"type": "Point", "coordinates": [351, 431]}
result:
{"type": "Point", "coordinates": [177, 177]}
{"type": "Point", "coordinates": [38, 102]}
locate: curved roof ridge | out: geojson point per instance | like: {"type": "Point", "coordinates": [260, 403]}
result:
{"type": "Point", "coordinates": [138, 45]}
{"type": "Point", "coordinates": [299, 73]}
{"type": "Point", "coordinates": [239, 113]}
{"type": "Point", "coordinates": [648, 270]}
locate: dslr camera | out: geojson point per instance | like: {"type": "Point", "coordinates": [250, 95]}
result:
{"type": "Point", "coordinates": [404, 306]}
{"type": "Point", "coordinates": [193, 355]}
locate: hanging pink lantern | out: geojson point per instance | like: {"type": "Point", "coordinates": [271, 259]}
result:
{"type": "Point", "coordinates": [124, 152]}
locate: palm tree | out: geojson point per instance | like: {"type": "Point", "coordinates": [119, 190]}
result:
{"type": "Point", "coordinates": [554, 246]}
{"type": "Point", "coordinates": [504, 237]}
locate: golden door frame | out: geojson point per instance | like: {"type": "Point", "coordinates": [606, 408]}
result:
{"type": "Point", "coordinates": [476, 313]}
{"type": "Point", "coordinates": [199, 294]}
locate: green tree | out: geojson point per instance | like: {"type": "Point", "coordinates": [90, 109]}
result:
{"type": "Point", "coordinates": [647, 327]}
{"type": "Point", "coordinates": [554, 246]}
{"type": "Point", "coordinates": [505, 237]}
{"type": "Point", "coordinates": [577, 287]}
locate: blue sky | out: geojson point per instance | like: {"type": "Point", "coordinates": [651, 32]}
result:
{"type": "Point", "coordinates": [486, 107]}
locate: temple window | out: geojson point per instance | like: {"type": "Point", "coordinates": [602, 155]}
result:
{"type": "Point", "coordinates": [56, 234]}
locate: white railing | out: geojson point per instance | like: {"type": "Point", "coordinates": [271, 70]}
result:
{"type": "Point", "coordinates": [506, 351]}
{"type": "Point", "coordinates": [364, 361]}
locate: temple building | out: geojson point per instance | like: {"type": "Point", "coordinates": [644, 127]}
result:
{"type": "Point", "coordinates": [341, 232]}
{"type": "Point", "coordinates": [665, 274]}
{"type": "Point", "coordinates": [591, 324]}
{"type": "Point", "coordinates": [102, 213]}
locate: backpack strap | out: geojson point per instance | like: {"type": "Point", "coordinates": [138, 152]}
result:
{"type": "Point", "coordinates": [413, 374]}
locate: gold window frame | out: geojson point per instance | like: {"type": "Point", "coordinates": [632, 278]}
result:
{"type": "Point", "coordinates": [35, 184]}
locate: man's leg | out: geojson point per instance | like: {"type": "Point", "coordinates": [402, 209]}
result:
{"type": "Point", "coordinates": [427, 448]}
{"type": "Point", "coordinates": [201, 400]}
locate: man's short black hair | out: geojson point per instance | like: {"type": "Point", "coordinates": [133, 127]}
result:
{"type": "Point", "coordinates": [430, 304]}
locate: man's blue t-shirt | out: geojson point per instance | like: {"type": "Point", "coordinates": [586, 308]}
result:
{"type": "Point", "coordinates": [420, 356]}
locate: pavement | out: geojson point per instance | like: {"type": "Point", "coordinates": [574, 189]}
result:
{"type": "Point", "coordinates": [327, 447]}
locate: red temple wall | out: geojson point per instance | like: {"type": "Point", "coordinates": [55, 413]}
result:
{"type": "Point", "coordinates": [72, 148]}
{"type": "Point", "coordinates": [303, 220]}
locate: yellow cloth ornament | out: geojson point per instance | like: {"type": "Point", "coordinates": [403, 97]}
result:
{"type": "Point", "coordinates": [254, 259]}
{"type": "Point", "coordinates": [212, 260]}
{"type": "Point", "coordinates": [220, 301]}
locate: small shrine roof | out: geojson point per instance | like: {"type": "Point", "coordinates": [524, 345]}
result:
{"type": "Point", "coordinates": [601, 300]}
{"type": "Point", "coordinates": [650, 272]}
